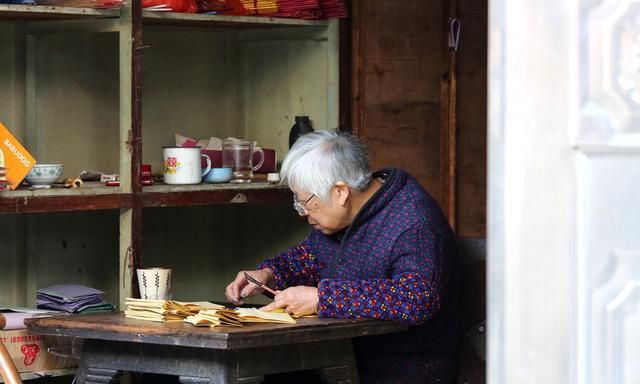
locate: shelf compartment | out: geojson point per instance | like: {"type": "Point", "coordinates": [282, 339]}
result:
{"type": "Point", "coordinates": [92, 196]}
{"type": "Point", "coordinates": [205, 20]}
{"type": "Point", "coordinates": [43, 12]}
{"type": "Point", "coordinates": [163, 195]}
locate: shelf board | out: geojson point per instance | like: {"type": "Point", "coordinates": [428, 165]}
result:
{"type": "Point", "coordinates": [92, 196]}
{"type": "Point", "coordinates": [96, 196]}
{"type": "Point", "coordinates": [44, 12]}
{"type": "Point", "coordinates": [163, 195]}
{"type": "Point", "coordinates": [205, 20]}
{"type": "Point", "coordinates": [50, 373]}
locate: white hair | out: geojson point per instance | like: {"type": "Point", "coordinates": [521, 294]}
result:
{"type": "Point", "coordinates": [318, 160]}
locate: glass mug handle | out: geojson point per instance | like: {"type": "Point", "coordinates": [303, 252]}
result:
{"type": "Point", "coordinates": [208, 168]}
{"type": "Point", "coordinates": [261, 152]}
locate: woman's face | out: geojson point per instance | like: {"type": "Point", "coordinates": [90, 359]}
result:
{"type": "Point", "coordinates": [326, 218]}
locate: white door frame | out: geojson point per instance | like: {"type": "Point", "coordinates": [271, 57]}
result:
{"type": "Point", "coordinates": [564, 192]}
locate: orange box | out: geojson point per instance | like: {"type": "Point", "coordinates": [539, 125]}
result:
{"type": "Point", "coordinates": [31, 353]}
{"type": "Point", "coordinates": [14, 158]}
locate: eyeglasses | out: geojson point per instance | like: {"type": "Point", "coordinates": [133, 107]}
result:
{"type": "Point", "coordinates": [300, 207]}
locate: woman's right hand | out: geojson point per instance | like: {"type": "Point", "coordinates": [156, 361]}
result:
{"type": "Point", "coordinates": [240, 288]}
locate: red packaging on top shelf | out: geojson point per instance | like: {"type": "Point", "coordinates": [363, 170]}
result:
{"type": "Point", "coordinates": [299, 9]}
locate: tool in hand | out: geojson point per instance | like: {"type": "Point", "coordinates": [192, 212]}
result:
{"type": "Point", "coordinates": [259, 283]}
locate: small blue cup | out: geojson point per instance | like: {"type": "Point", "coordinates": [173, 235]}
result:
{"type": "Point", "coordinates": [218, 175]}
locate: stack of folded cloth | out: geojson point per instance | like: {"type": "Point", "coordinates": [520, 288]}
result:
{"type": "Point", "coordinates": [73, 299]}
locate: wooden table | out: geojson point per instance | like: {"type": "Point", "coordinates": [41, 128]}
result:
{"type": "Point", "coordinates": [114, 344]}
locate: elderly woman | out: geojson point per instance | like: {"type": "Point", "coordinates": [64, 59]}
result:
{"type": "Point", "coordinates": [380, 248]}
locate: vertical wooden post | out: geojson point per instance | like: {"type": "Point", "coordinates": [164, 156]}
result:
{"type": "Point", "coordinates": [344, 83]}
{"type": "Point", "coordinates": [136, 142]}
{"type": "Point", "coordinates": [357, 81]}
{"type": "Point", "coordinates": [130, 37]}
{"type": "Point", "coordinates": [448, 146]}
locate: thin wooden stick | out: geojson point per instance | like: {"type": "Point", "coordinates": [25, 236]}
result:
{"type": "Point", "coordinates": [8, 369]}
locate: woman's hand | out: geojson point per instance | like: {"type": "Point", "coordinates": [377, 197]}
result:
{"type": "Point", "coordinates": [240, 288]}
{"type": "Point", "coordinates": [298, 301]}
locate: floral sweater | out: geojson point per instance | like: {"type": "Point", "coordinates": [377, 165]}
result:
{"type": "Point", "coordinates": [396, 261]}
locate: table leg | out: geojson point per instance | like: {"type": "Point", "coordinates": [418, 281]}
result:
{"type": "Point", "coordinates": [92, 375]}
{"type": "Point", "coordinates": [95, 369]}
{"type": "Point", "coordinates": [343, 374]}
{"type": "Point", "coordinates": [251, 380]}
{"type": "Point", "coordinates": [332, 359]}
{"type": "Point", "coordinates": [205, 380]}
{"type": "Point", "coordinates": [193, 380]}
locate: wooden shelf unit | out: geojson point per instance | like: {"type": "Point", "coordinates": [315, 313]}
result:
{"type": "Point", "coordinates": [267, 71]}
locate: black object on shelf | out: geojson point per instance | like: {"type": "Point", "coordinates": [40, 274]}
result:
{"type": "Point", "coordinates": [301, 127]}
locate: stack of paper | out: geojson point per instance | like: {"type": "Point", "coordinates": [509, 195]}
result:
{"type": "Point", "coordinates": [73, 299]}
{"type": "Point", "coordinates": [201, 313]}
{"type": "Point", "coordinates": [254, 315]}
{"type": "Point", "coordinates": [13, 317]}
{"type": "Point", "coordinates": [215, 318]}
{"type": "Point", "coordinates": [235, 317]}
{"type": "Point", "coordinates": [165, 310]}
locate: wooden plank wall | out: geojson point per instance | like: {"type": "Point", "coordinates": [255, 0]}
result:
{"type": "Point", "coordinates": [399, 58]}
{"type": "Point", "coordinates": [396, 84]}
{"type": "Point", "coordinates": [471, 181]}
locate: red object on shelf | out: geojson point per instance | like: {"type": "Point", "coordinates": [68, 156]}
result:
{"type": "Point", "coordinates": [298, 9]}
{"type": "Point", "coordinates": [185, 6]}
{"type": "Point", "coordinates": [332, 8]}
{"type": "Point", "coordinates": [222, 7]}
{"type": "Point", "coordinates": [146, 176]}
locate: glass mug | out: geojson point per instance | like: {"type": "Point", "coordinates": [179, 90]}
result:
{"type": "Point", "coordinates": [238, 155]}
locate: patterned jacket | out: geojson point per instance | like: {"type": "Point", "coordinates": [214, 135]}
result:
{"type": "Point", "coordinates": [396, 261]}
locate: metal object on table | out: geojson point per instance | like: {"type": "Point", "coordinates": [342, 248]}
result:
{"type": "Point", "coordinates": [259, 283]}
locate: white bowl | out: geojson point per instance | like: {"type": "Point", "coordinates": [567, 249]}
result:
{"type": "Point", "coordinates": [43, 175]}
